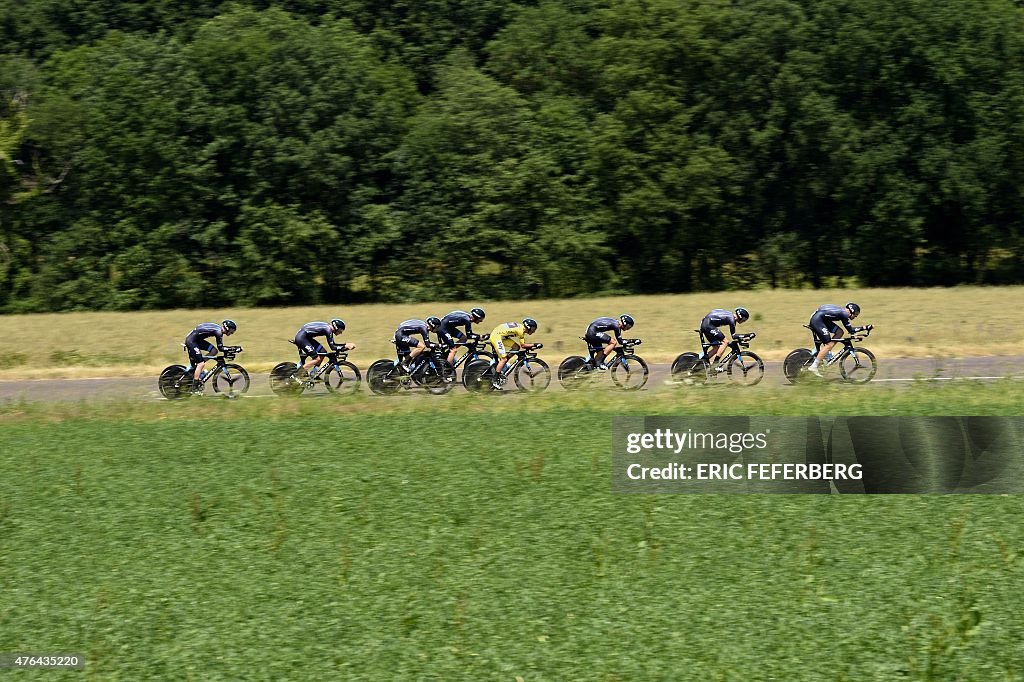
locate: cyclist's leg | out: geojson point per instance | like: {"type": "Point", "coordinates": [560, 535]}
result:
{"type": "Point", "coordinates": [608, 351]}
{"type": "Point", "coordinates": [501, 353]}
{"type": "Point", "coordinates": [504, 361]}
{"type": "Point", "coordinates": [834, 332]}
{"type": "Point", "coordinates": [448, 339]}
{"type": "Point", "coordinates": [716, 338]}
{"type": "Point", "coordinates": [603, 343]}
{"type": "Point", "coordinates": [823, 331]}
{"type": "Point", "coordinates": [195, 357]}
{"type": "Point", "coordinates": [196, 353]}
{"type": "Point", "coordinates": [318, 359]}
{"type": "Point", "coordinates": [307, 350]}
{"type": "Point", "coordinates": [416, 347]}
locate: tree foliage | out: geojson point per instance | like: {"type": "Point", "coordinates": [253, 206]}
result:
{"type": "Point", "coordinates": [175, 153]}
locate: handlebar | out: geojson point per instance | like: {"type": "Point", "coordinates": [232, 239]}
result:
{"type": "Point", "coordinates": [329, 353]}
{"type": "Point", "coordinates": [863, 334]}
{"type": "Point", "coordinates": [743, 340]}
{"type": "Point", "coordinates": [229, 353]}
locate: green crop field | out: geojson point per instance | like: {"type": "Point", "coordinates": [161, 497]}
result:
{"type": "Point", "coordinates": [469, 539]}
{"type": "Point", "coordinates": [954, 322]}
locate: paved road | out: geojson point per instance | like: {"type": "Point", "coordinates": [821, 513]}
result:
{"type": "Point", "coordinates": [890, 373]}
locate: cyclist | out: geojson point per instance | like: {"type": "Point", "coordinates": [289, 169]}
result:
{"type": "Point", "coordinates": [310, 348]}
{"type": "Point", "coordinates": [508, 337]}
{"type": "Point", "coordinates": [449, 334]}
{"type": "Point", "coordinates": [710, 326]}
{"type": "Point", "coordinates": [597, 336]}
{"type": "Point", "coordinates": [197, 345]}
{"type": "Point", "coordinates": [825, 323]}
{"type": "Point", "coordinates": [410, 348]}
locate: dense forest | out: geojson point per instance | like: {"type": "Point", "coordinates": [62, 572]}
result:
{"type": "Point", "coordinates": [178, 153]}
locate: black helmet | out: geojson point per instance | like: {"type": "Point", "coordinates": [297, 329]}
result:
{"type": "Point", "coordinates": [229, 325]}
{"type": "Point", "coordinates": [742, 314]}
{"type": "Point", "coordinates": [477, 314]}
{"type": "Point", "coordinates": [530, 325]}
{"type": "Point", "coordinates": [338, 325]}
{"type": "Point", "coordinates": [627, 321]}
{"type": "Point", "coordinates": [433, 322]}
{"type": "Point", "coordinates": [853, 308]}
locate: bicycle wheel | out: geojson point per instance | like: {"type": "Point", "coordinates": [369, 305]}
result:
{"type": "Point", "coordinates": [795, 362]}
{"type": "Point", "coordinates": [683, 365]}
{"type": "Point", "coordinates": [478, 376]}
{"type": "Point", "coordinates": [230, 381]}
{"type": "Point", "coordinates": [282, 379]}
{"type": "Point", "coordinates": [436, 375]}
{"type": "Point", "coordinates": [467, 361]}
{"type": "Point", "coordinates": [533, 375]}
{"type": "Point", "coordinates": [380, 379]}
{"type": "Point", "coordinates": [481, 357]}
{"type": "Point", "coordinates": [746, 369]}
{"type": "Point", "coordinates": [174, 382]}
{"type": "Point", "coordinates": [629, 372]}
{"type": "Point", "coordinates": [572, 372]}
{"type": "Point", "coordinates": [858, 367]}
{"type": "Point", "coordinates": [342, 379]}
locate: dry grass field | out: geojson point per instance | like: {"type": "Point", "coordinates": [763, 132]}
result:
{"type": "Point", "coordinates": [951, 322]}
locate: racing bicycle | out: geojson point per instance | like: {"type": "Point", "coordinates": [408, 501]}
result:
{"type": "Point", "coordinates": [529, 372]}
{"type": "Point", "coordinates": [628, 370]}
{"type": "Point", "coordinates": [337, 374]}
{"type": "Point", "coordinates": [856, 365]}
{"type": "Point", "coordinates": [743, 367]}
{"type": "Point", "coordinates": [430, 370]}
{"type": "Point", "coordinates": [229, 380]}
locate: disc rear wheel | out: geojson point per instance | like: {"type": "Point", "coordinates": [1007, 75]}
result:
{"type": "Point", "coordinates": [478, 376]}
{"type": "Point", "coordinates": [174, 382]}
{"type": "Point", "coordinates": [572, 372]}
{"type": "Point", "coordinates": [381, 379]}
{"type": "Point", "coordinates": [794, 364]}
{"type": "Point", "coordinates": [283, 381]}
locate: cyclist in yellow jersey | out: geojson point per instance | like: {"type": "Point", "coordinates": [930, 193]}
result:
{"type": "Point", "coordinates": [508, 337]}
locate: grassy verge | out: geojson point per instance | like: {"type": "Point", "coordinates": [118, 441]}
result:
{"type": "Point", "coordinates": [919, 398]}
{"type": "Point", "coordinates": [911, 323]}
{"type": "Point", "coordinates": [471, 539]}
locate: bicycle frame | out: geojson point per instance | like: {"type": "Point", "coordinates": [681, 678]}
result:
{"type": "Point", "coordinates": [622, 350]}
{"type": "Point", "coordinates": [473, 349]}
{"type": "Point", "coordinates": [522, 357]}
{"type": "Point", "coordinates": [740, 341]}
{"type": "Point", "coordinates": [847, 350]}
{"type": "Point", "coordinates": [335, 359]}
{"type": "Point", "coordinates": [222, 361]}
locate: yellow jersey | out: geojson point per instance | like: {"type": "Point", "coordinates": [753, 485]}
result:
{"type": "Point", "coordinates": [506, 335]}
